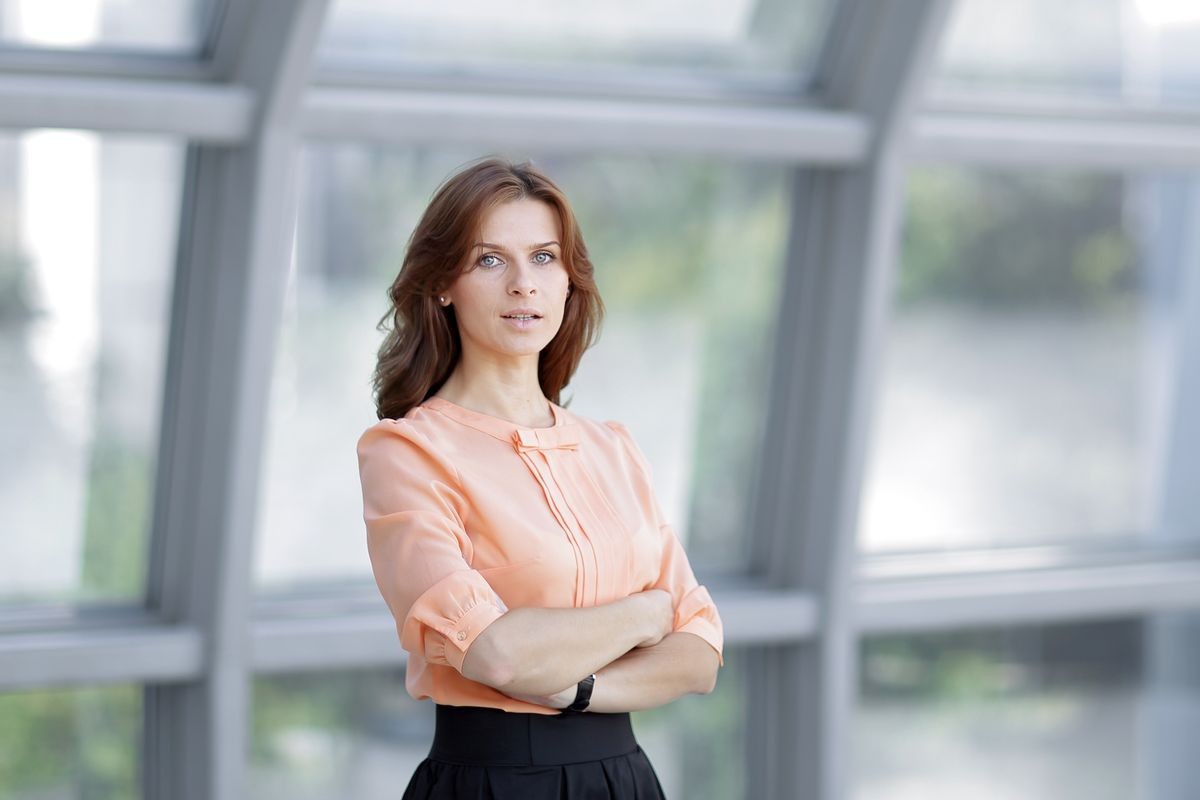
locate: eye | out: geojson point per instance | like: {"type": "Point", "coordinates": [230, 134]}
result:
{"type": "Point", "coordinates": [487, 255]}
{"type": "Point", "coordinates": [547, 253]}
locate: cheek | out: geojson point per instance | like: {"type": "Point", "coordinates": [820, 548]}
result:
{"type": "Point", "coordinates": [473, 309]}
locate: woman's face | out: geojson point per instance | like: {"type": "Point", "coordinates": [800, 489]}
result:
{"type": "Point", "coordinates": [516, 264]}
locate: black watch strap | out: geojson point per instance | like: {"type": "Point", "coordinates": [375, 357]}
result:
{"type": "Point", "coordinates": [583, 694]}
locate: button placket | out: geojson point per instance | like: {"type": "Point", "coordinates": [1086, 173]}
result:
{"type": "Point", "coordinates": [544, 441]}
{"type": "Point", "coordinates": [562, 470]}
{"type": "Point", "coordinates": [585, 542]}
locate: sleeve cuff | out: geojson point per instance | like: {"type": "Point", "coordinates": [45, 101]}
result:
{"type": "Point", "coordinates": [449, 616]}
{"type": "Point", "coordinates": [697, 614]}
{"type": "Point", "coordinates": [463, 633]}
{"type": "Point", "coordinates": [705, 630]}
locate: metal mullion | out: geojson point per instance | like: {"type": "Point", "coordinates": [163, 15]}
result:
{"type": "Point", "coordinates": [1026, 596]}
{"type": "Point", "coordinates": [18, 60]}
{"type": "Point", "coordinates": [995, 102]}
{"type": "Point", "coordinates": [233, 18]}
{"type": "Point", "coordinates": [230, 281]}
{"type": "Point", "coordinates": [810, 135]}
{"type": "Point", "coordinates": [632, 82]}
{"type": "Point", "coordinates": [198, 111]}
{"type": "Point", "coordinates": [108, 655]}
{"type": "Point", "coordinates": [841, 262]}
{"type": "Point", "coordinates": [1118, 143]}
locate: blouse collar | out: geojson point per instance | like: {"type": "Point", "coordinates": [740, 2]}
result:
{"type": "Point", "coordinates": [563, 434]}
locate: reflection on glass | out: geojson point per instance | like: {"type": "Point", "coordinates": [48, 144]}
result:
{"type": "Point", "coordinates": [71, 744]}
{"type": "Point", "coordinates": [170, 26]}
{"type": "Point", "coordinates": [1094, 709]}
{"type": "Point", "coordinates": [693, 40]}
{"type": "Point", "coordinates": [688, 258]}
{"type": "Point", "coordinates": [360, 735]}
{"type": "Point", "coordinates": [88, 226]}
{"type": "Point", "coordinates": [1140, 50]}
{"type": "Point", "coordinates": [1040, 365]}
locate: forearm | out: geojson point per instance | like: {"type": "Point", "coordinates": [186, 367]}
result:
{"type": "Point", "coordinates": [648, 677]}
{"type": "Point", "coordinates": [544, 650]}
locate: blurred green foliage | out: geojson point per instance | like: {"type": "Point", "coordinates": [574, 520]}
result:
{"type": "Point", "coordinates": [79, 743]}
{"type": "Point", "coordinates": [1018, 239]}
{"type": "Point", "coordinates": [326, 702]}
{"type": "Point", "coordinates": [117, 522]}
{"type": "Point", "coordinates": [985, 664]}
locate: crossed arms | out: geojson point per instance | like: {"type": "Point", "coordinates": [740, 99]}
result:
{"type": "Point", "coordinates": [540, 654]}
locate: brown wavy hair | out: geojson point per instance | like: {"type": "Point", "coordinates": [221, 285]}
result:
{"type": "Point", "coordinates": [422, 346]}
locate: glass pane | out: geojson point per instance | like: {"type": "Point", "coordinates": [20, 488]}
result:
{"type": "Point", "coordinates": [173, 26]}
{"type": "Point", "coordinates": [360, 735]}
{"type": "Point", "coordinates": [746, 39]}
{"type": "Point", "coordinates": [88, 228]}
{"type": "Point", "coordinates": [345, 734]}
{"type": "Point", "coordinates": [71, 743]}
{"type": "Point", "coordinates": [1042, 364]}
{"type": "Point", "coordinates": [697, 743]}
{"type": "Point", "coordinates": [688, 257]}
{"type": "Point", "coordinates": [1141, 50]}
{"type": "Point", "coordinates": [1089, 709]}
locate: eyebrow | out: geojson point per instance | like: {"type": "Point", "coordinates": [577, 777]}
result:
{"type": "Point", "coordinates": [501, 247]}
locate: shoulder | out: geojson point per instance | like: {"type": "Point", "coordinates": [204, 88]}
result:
{"type": "Point", "coordinates": [419, 425]}
{"type": "Point", "coordinates": [390, 430]}
{"type": "Point", "coordinates": [411, 441]}
{"type": "Point", "coordinates": [609, 431]}
{"type": "Point", "coordinates": [617, 436]}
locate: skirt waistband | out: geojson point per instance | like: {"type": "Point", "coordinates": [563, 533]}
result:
{"type": "Point", "coordinates": [495, 737]}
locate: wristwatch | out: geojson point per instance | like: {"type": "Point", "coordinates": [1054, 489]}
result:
{"type": "Point", "coordinates": [583, 695]}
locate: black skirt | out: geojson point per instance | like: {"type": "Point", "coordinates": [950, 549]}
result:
{"type": "Point", "coordinates": [492, 754]}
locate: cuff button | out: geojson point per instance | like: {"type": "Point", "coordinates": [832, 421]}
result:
{"type": "Point", "coordinates": [462, 635]}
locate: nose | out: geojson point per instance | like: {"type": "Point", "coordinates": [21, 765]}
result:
{"type": "Point", "coordinates": [522, 281]}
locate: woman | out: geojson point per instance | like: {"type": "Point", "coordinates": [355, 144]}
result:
{"type": "Point", "coordinates": [538, 590]}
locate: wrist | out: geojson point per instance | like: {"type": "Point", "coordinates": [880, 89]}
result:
{"type": "Point", "coordinates": [565, 697]}
{"type": "Point", "coordinates": [643, 619]}
{"type": "Point", "coordinates": [582, 696]}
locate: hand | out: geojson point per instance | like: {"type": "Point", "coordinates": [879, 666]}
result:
{"type": "Point", "coordinates": [558, 700]}
{"type": "Point", "coordinates": [660, 611]}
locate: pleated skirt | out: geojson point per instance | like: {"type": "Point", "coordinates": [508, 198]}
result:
{"type": "Point", "coordinates": [492, 754]}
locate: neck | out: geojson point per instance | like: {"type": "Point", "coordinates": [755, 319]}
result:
{"type": "Point", "coordinates": [520, 404]}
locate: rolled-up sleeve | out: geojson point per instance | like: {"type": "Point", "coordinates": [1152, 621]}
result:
{"type": "Point", "coordinates": [695, 611]}
{"type": "Point", "coordinates": [419, 550]}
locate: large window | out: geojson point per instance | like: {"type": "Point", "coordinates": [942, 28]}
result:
{"type": "Point", "coordinates": [174, 27]}
{"type": "Point", "coordinates": [771, 42]}
{"type": "Point", "coordinates": [1007, 413]}
{"type": "Point", "coordinates": [88, 228]}
{"type": "Point", "coordinates": [1141, 51]}
{"type": "Point", "coordinates": [1086, 709]}
{"type": "Point", "coordinates": [1041, 363]}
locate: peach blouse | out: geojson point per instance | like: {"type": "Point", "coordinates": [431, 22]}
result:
{"type": "Point", "coordinates": [468, 515]}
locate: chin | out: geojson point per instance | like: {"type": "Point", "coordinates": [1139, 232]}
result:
{"type": "Point", "coordinates": [526, 348]}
